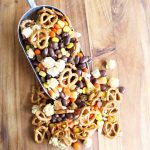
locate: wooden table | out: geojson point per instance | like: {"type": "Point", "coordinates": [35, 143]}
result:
{"type": "Point", "coordinates": [123, 25]}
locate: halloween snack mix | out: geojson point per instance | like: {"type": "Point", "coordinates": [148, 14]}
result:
{"type": "Point", "coordinates": [81, 101]}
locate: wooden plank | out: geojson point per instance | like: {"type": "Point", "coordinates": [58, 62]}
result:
{"type": "Point", "coordinates": [131, 20]}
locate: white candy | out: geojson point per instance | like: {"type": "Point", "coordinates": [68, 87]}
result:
{"type": "Point", "coordinates": [52, 83]}
{"type": "Point", "coordinates": [30, 53]}
{"type": "Point", "coordinates": [96, 73]}
{"type": "Point", "coordinates": [113, 82]}
{"type": "Point", "coordinates": [48, 62]}
{"type": "Point", "coordinates": [27, 32]}
{"type": "Point", "coordinates": [53, 71]}
{"type": "Point", "coordinates": [48, 110]}
{"type": "Point", "coordinates": [111, 64]}
{"type": "Point", "coordinates": [60, 64]}
{"type": "Point", "coordinates": [35, 108]}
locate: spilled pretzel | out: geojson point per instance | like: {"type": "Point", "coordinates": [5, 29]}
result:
{"type": "Point", "coordinates": [67, 78]}
{"type": "Point", "coordinates": [87, 116]}
{"type": "Point", "coordinates": [114, 94]}
{"type": "Point", "coordinates": [109, 109]}
{"type": "Point", "coordinates": [39, 134]}
{"type": "Point", "coordinates": [110, 129]}
{"type": "Point", "coordinates": [37, 122]}
{"type": "Point", "coordinates": [39, 39]}
{"type": "Point", "coordinates": [41, 116]}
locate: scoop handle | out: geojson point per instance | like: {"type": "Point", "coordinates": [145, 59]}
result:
{"type": "Point", "coordinates": [31, 3]}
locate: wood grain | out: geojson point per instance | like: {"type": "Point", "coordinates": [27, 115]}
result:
{"type": "Point", "coordinates": [123, 25]}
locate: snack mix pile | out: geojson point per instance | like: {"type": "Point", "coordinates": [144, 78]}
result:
{"type": "Point", "coordinates": [81, 101]}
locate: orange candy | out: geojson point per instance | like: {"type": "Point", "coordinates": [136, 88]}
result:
{"type": "Point", "coordinates": [85, 70]}
{"type": "Point", "coordinates": [57, 26]}
{"type": "Point", "coordinates": [76, 146]}
{"type": "Point", "coordinates": [80, 54]}
{"type": "Point", "coordinates": [41, 67]}
{"type": "Point", "coordinates": [37, 52]}
{"type": "Point", "coordinates": [52, 34]}
{"type": "Point", "coordinates": [54, 30]}
{"type": "Point", "coordinates": [97, 85]}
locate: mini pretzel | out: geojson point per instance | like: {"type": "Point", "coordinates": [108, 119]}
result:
{"type": "Point", "coordinates": [39, 39]}
{"type": "Point", "coordinates": [41, 116]}
{"type": "Point", "coordinates": [38, 96]}
{"type": "Point", "coordinates": [47, 20]}
{"type": "Point", "coordinates": [111, 130]}
{"type": "Point", "coordinates": [87, 116]}
{"type": "Point", "coordinates": [66, 78]}
{"type": "Point", "coordinates": [114, 94]}
{"type": "Point", "coordinates": [93, 97]}
{"type": "Point", "coordinates": [26, 23]}
{"type": "Point", "coordinates": [109, 109]}
{"type": "Point", "coordinates": [40, 134]}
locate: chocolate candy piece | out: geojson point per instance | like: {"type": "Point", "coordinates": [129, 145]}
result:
{"type": "Point", "coordinates": [51, 52]}
{"type": "Point", "coordinates": [82, 66]}
{"type": "Point", "coordinates": [84, 59]}
{"type": "Point", "coordinates": [73, 40]}
{"type": "Point", "coordinates": [64, 58]}
{"type": "Point", "coordinates": [122, 89]}
{"type": "Point", "coordinates": [103, 73]}
{"type": "Point", "coordinates": [54, 45]}
{"type": "Point", "coordinates": [64, 34]}
{"type": "Point", "coordinates": [103, 87]}
{"type": "Point", "coordinates": [64, 102]}
{"type": "Point", "coordinates": [79, 72]}
{"type": "Point", "coordinates": [66, 40]}
{"type": "Point", "coordinates": [77, 59]}
{"type": "Point", "coordinates": [62, 95]}
{"type": "Point", "coordinates": [61, 45]}
{"type": "Point", "coordinates": [93, 80]}
{"type": "Point", "coordinates": [69, 116]}
{"type": "Point", "coordinates": [80, 84]}
{"type": "Point", "coordinates": [45, 52]}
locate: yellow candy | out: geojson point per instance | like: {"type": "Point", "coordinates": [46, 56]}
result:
{"type": "Point", "coordinates": [102, 80]}
{"type": "Point", "coordinates": [42, 73]}
{"type": "Point", "coordinates": [76, 130]}
{"type": "Point", "coordinates": [45, 85]}
{"type": "Point", "coordinates": [67, 54]}
{"type": "Point", "coordinates": [99, 117]}
{"type": "Point", "coordinates": [61, 23]}
{"type": "Point", "coordinates": [66, 29]}
{"type": "Point", "coordinates": [63, 51]}
{"type": "Point", "coordinates": [70, 45]}
{"type": "Point", "coordinates": [64, 126]}
{"type": "Point", "coordinates": [55, 39]}
{"type": "Point", "coordinates": [100, 123]}
{"type": "Point", "coordinates": [80, 78]}
{"type": "Point", "coordinates": [84, 91]}
{"type": "Point", "coordinates": [70, 32]}
{"type": "Point", "coordinates": [37, 69]}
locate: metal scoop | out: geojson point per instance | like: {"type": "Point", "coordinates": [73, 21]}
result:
{"type": "Point", "coordinates": [32, 14]}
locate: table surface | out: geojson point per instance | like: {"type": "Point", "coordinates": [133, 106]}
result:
{"type": "Point", "coordinates": [123, 25]}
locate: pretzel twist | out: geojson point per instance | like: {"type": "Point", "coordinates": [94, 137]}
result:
{"type": "Point", "coordinates": [114, 94]}
{"type": "Point", "coordinates": [39, 39]}
{"type": "Point", "coordinates": [110, 129]}
{"type": "Point", "coordinates": [109, 109]}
